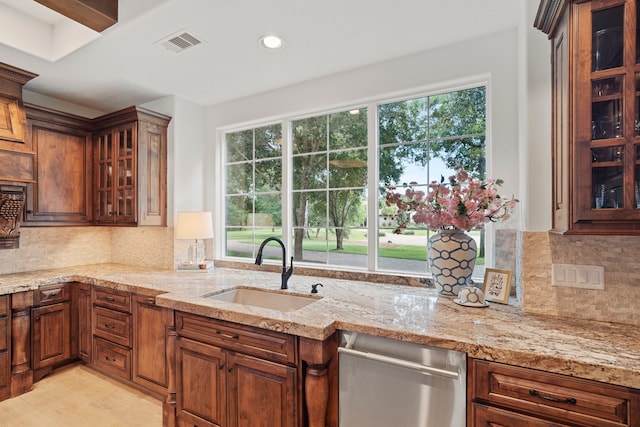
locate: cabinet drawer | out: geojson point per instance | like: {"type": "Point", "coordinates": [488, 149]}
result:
{"type": "Point", "coordinates": [112, 325]}
{"type": "Point", "coordinates": [112, 298]}
{"type": "Point", "coordinates": [262, 343]}
{"type": "Point", "coordinates": [112, 358]}
{"type": "Point", "coordinates": [186, 419]}
{"type": "Point", "coordinates": [487, 416]}
{"type": "Point", "coordinates": [50, 294]}
{"type": "Point", "coordinates": [559, 397]}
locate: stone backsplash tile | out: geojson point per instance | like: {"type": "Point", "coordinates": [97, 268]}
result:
{"type": "Point", "coordinates": [54, 247]}
{"type": "Point", "coordinates": [143, 246]}
{"type": "Point", "coordinates": [618, 255]}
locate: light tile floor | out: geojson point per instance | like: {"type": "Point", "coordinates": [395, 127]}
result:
{"type": "Point", "coordinates": [77, 396]}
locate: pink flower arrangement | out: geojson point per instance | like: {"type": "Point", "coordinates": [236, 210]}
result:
{"type": "Point", "coordinates": [464, 203]}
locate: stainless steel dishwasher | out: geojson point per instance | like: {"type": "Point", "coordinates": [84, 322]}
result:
{"type": "Point", "coordinates": [385, 382]}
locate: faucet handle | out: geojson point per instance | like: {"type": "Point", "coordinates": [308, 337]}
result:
{"type": "Point", "coordinates": [314, 287]}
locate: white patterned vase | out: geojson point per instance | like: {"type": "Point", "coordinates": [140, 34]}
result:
{"type": "Point", "coordinates": [452, 257]}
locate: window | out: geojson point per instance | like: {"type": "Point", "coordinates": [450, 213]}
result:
{"type": "Point", "coordinates": [329, 188]}
{"type": "Point", "coordinates": [253, 188]}
{"type": "Point", "coordinates": [421, 140]}
{"type": "Point", "coordinates": [330, 159]}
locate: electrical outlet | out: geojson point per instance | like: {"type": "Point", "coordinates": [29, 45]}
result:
{"type": "Point", "coordinates": [578, 276]}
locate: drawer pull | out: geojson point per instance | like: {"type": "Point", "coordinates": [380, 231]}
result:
{"type": "Point", "coordinates": [109, 359]}
{"type": "Point", "coordinates": [235, 336]}
{"type": "Point", "coordinates": [109, 326]}
{"type": "Point", "coordinates": [110, 299]}
{"type": "Point", "coordinates": [569, 400]}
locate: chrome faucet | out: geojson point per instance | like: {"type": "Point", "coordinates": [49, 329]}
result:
{"type": "Point", "coordinates": [285, 273]}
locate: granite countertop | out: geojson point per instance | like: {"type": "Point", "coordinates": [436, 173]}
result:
{"type": "Point", "coordinates": [599, 351]}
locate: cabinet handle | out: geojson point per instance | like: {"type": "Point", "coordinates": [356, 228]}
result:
{"type": "Point", "coordinates": [230, 369]}
{"type": "Point", "coordinates": [110, 299]}
{"type": "Point", "coordinates": [37, 317]}
{"type": "Point", "coordinates": [110, 359]}
{"type": "Point", "coordinates": [235, 336]}
{"type": "Point", "coordinates": [221, 367]}
{"type": "Point", "coordinates": [570, 400]}
{"type": "Point", "coordinates": [109, 326]}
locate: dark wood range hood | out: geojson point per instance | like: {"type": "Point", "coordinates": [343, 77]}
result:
{"type": "Point", "coordinates": [16, 153]}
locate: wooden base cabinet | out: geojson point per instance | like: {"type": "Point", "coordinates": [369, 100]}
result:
{"type": "Point", "coordinates": [152, 326]}
{"type": "Point", "coordinates": [260, 392]}
{"type": "Point", "coordinates": [236, 376]}
{"type": "Point", "coordinates": [5, 352]}
{"type": "Point", "coordinates": [504, 395]}
{"type": "Point", "coordinates": [201, 384]}
{"type": "Point", "coordinates": [85, 331]}
{"type": "Point", "coordinates": [111, 326]}
{"type": "Point", "coordinates": [51, 335]}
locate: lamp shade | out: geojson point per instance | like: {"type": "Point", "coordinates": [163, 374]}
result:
{"type": "Point", "coordinates": [194, 225]}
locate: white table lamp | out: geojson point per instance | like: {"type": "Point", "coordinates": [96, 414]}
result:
{"type": "Point", "coordinates": [194, 226]}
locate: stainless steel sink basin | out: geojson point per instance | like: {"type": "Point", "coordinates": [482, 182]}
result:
{"type": "Point", "coordinates": [274, 300]}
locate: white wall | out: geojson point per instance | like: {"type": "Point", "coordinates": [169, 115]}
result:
{"type": "Point", "coordinates": [493, 59]}
{"type": "Point", "coordinates": [57, 104]}
{"type": "Point", "coordinates": [536, 127]}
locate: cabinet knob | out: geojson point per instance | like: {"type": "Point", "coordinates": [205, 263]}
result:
{"type": "Point", "coordinates": [230, 369]}
{"type": "Point", "coordinates": [221, 367]}
{"type": "Point", "coordinates": [37, 317]}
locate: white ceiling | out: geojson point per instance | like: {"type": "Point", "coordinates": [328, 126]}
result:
{"type": "Point", "coordinates": [125, 66]}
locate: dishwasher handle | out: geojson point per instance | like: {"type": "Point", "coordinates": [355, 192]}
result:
{"type": "Point", "coordinates": [423, 369]}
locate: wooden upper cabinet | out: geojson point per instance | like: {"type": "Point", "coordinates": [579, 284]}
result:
{"type": "Point", "coordinates": [130, 168]}
{"type": "Point", "coordinates": [595, 114]}
{"type": "Point", "coordinates": [62, 191]}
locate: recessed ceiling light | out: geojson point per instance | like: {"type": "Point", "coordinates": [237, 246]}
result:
{"type": "Point", "coordinates": [271, 42]}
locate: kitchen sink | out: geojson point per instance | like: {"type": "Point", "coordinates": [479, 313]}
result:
{"type": "Point", "coordinates": [274, 300]}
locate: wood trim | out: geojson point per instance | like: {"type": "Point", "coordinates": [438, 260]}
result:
{"type": "Point", "coordinates": [128, 115]}
{"type": "Point", "coordinates": [15, 74]}
{"type": "Point", "coordinates": [320, 386]}
{"type": "Point", "coordinates": [548, 16]}
{"type": "Point", "coordinates": [95, 14]}
{"type": "Point", "coordinates": [59, 118]}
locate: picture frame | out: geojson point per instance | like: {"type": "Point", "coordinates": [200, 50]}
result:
{"type": "Point", "coordinates": [497, 285]}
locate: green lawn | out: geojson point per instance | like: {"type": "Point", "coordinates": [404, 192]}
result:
{"type": "Point", "coordinates": [355, 245]}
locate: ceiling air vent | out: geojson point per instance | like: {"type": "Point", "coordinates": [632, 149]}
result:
{"type": "Point", "coordinates": [179, 41]}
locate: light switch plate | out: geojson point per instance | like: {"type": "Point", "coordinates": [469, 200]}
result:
{"type": "Point", "coordinates": [578, 276]}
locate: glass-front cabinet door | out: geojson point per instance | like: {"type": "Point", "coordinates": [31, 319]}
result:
{"type": "Point", "coordinates": [115, 195]}
{"type": "Point", "coordinates": [606, 167]}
